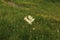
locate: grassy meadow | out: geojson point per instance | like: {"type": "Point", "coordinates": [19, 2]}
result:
{"type": "Point", "coordinates": [46, 25]}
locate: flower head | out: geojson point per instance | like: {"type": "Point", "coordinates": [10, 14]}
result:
{"type": "Point", "coordinates": [29, 19]}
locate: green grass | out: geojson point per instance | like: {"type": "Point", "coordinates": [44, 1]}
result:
{"type": "Point", "coordinates": [14, 27]}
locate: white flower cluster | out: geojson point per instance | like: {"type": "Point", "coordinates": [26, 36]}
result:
{"type": "Point", "coordinates": [29, 19]}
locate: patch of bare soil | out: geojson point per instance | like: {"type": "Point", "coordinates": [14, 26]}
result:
{"type": "Point", "coordinates": [22, 5]}
{"type": "Point", "coordinates": [10, 3]}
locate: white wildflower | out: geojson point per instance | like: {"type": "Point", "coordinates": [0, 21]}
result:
{"type": "Point", "coordinates": [29, 19]}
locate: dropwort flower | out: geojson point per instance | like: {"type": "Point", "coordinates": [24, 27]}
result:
{"type": "Point", "coordinates": [29, 19]}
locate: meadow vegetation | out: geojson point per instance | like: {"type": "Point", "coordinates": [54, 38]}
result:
{"type": "Point", "coordinates": [46, 25]}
